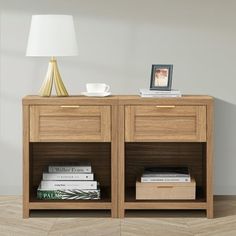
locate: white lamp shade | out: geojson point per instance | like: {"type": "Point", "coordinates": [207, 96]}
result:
{"type": "Point", "coordinates": [52, 35]}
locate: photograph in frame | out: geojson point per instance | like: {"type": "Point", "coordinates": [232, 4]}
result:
{"type": "Point", "coordinates": [161, 77]}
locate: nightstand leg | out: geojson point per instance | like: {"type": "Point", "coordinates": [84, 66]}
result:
{"type": "Point", "coordinates": [26, 212]}
{"type": "Point", "coordinates": [210, 211]}
{"type": "Point", "coordinates": [121, 213]}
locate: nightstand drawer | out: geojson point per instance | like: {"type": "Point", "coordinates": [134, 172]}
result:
{"type": "Point", "coordinates": [70, 123]}
{"type": "Point", "coordinates": [165, 123]}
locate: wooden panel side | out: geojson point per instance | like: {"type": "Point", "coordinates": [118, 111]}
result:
{"type": "Point", "coordinates": [128, 116]}
{"type": "Point", "coordinates": [121, 161]}
{"type": "Point", "coordinates": [106, 123]}
{"type": "Point", "coordinates": [201, 123]}
{"type": "Point", "coordinates": [114, 161]}
{"type": "Point", "coordinates": [209, 161]}
{"type": "Point", "coordinates": [34, 123]}
{"type": "Point", "coordinates": [26, 131]}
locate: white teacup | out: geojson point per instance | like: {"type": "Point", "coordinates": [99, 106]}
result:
{"type": "Point", "coordinates": [97, 88]}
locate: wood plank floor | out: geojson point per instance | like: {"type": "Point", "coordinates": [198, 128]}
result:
{"type": "Point", "coordinates": [153, 223]}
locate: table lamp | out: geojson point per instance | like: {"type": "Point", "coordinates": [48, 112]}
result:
{"type": "Point", "coordinates": [53, 36]}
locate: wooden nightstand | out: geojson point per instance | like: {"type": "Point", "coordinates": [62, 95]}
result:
{"type": "Point", "coordinates": [119, 135]}
{"type": "Point", "coordinates": [70, 130]}
{"type": "Point", "coordinates": [165, 132]}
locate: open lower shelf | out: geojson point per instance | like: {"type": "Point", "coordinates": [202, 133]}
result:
{"type": "Point", "coordinates": [44, 154]}
{"type": "Point", "coordinates": [141, 155]}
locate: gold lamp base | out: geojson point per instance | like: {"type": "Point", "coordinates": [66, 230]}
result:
{"type": "Point", "coordinates": [53, 77]}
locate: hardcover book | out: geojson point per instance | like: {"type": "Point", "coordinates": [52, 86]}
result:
{"type": "Point", "coordinates": [159, 93]}
{"type": "Point", "coordinates": [69, 194]}
{"type": "Point", "coordinates": [165, 179]}
{"type": "Point", "coordinates": [166, 172]}
{"type": "Point", "coordinates": [68, 176]}
{"type": "Point", "coordinates": [58, 185]}
{"type": "Point", "coordinates": [153, 92]}
{"type": "Point", "coordinates": [70, 169]}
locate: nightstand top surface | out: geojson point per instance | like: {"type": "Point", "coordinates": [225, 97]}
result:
{"type": "Point", "coordinates": [115, 100]}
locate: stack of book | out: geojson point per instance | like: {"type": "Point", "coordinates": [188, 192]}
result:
{"type": "Point", "coordinates": [166, 174]}
{"type": "Point", "coordinates": [147, 93]}
{"type": "Point", "coordinates": [162, 183]}
{"type": "Point", "coordinates": [69, 182]}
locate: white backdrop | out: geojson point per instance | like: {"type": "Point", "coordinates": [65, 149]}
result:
{"type": "Point", "coordinates": [118, 42]}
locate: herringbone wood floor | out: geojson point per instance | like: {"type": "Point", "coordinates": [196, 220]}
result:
{"type": "Point", "coordinates": [151, 224]}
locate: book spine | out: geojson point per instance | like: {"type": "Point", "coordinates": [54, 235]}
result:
{"type": "Point", "coordinates": [73, 194]}
{"type": "Point", "coordinates": [69, 169]}
{"type": "Point", "coordinates": [160, 96]}
{"type": "Point", "coordinates": [166, 179]}
{"type": "Point", "coordinates": [165, 175]}
{"type": "Point", "coordinates": [68, 176]}
{"type": "Point", "coordinates": [58, 185]}
{"type": "Point", "coordinates": [153, 92]}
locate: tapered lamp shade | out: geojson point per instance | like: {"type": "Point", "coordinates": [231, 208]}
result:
{"type": "Point", "coordinates": [52, 35]}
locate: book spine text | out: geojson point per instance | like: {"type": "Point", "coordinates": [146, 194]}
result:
{"type": "Point", "coordinates": [56, 185]}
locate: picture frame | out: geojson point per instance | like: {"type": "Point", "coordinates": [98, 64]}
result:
{"type": "Point", "coordinates": [161, 77]}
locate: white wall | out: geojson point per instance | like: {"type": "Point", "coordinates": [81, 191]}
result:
{"type": "Point", "coordinates": [118, 43]}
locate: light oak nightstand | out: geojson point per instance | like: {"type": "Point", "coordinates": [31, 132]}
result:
{"type": "Point", "coordinates": [119, 135]}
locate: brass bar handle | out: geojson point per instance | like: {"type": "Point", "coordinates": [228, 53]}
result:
{"type": "Point", "coordinates": [165, 186]}
{"type": "Point", "coordinates": [69, 106]}
{"type": "Point", "coordinates": [166, 106]}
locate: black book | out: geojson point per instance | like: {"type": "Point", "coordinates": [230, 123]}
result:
{"type": "Point", "coordinates": [166, 172]}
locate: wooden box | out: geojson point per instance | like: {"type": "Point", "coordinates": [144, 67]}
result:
{"type": "Point", "coordinates": [165, 191]}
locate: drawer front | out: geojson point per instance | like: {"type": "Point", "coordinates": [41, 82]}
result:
{"type": "Point", "coordinates": [165, 191]}
{"type": "Point", "coordinates": [165, 123]}
{"type": "Point", "coordinates": [70, 123]}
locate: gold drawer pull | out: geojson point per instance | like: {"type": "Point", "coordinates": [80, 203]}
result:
{"type": "Point", "coordinates": [70, 106]}
{"type": "Point", "coordinates": [165, 187]}
{"type": "Point", "coordinates": [171, 106]}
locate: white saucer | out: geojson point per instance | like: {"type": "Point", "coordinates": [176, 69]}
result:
{"type": "Point", "coordinates": [104, 94]}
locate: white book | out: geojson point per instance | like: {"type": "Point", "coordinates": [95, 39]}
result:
{"type": "Point", "coordinates": [70, 169]}
{"type": "Point", "coordinates": [68, 176]}
{"type": "Point", "coordinates": [160, 95]}
{"type": "Point", "coordinates": [165, 179]}
{"type": "Point", "coordinates": [152, 92]}
{"type": "Point", "coordinates": [58, 185]}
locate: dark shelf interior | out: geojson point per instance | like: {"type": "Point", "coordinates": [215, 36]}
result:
{"type": "Point", "coordinates": [44, 154]}
{"type": "Point", "coordinates": [139, 155]}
